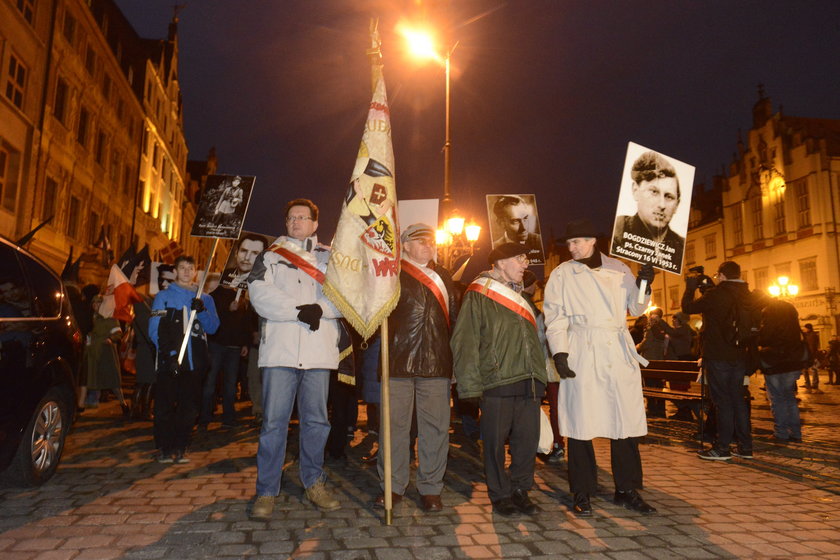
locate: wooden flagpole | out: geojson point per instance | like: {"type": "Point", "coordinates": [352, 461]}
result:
{"type": "Point", "coordinates": [385, 420]}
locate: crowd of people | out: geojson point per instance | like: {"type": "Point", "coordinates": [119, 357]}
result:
{"type": "Point", "coordinates": [484, 346]}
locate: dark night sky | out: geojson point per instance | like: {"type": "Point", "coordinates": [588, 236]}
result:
{"type": "Point", "coordinates": [545, 94]}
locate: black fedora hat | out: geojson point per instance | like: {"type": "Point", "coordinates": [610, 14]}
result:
{"type": "Point", "coordinates": [579, 228]}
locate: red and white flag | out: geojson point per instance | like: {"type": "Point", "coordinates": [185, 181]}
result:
{"type": "Point", "coordinates": [363, 274]}
{"type": "Point", "coordinates": [119, 296]}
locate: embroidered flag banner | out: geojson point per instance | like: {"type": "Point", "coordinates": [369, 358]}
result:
{"type": "Point", "coordinates": [362, 277]}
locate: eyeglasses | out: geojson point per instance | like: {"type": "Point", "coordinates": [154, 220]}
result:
{"type": "Point", "coordinates": [523, 259]}
{"type": "Point", "coordinates": [292, 219]}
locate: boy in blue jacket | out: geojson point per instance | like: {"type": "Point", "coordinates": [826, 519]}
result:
{"type": "Point", "coordinates": [178, 389]}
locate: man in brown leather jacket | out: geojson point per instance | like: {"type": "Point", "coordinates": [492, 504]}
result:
{"type": "Point", "coordinates": [420, 368]}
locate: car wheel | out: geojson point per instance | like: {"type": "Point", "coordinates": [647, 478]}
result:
{"type": "Point", "coordinates": [40, 449]}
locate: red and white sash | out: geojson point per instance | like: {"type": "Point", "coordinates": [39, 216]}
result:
{"type": "Point", "coordinates": [432, 280]}
{"type": "Point", "coordinates": [299, 261]}
{"type": "Point", "coordinates": [504, 296]}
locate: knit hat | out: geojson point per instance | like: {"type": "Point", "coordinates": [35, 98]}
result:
{"type": "Point", "coordinates": [579, 228]}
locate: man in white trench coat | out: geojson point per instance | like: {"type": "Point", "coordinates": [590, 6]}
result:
{"type": "Point", "coordinates": [600, 394]}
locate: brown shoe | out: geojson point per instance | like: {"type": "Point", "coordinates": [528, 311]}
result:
{"type": "Point", "coordinates": [380, 500]}
{"type": "Point", "coordinates": [431, 502]}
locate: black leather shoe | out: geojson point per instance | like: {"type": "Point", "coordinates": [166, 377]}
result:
{"type": "Point", "coordinates": [581, 506]}
{"type": "Point", "coordinates": [505, 508]}
{"type": "Point", "coordinates": [632, 500]}
{"type": "Point", "coordinates": [523, 503]}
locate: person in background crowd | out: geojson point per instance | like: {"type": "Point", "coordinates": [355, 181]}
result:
{"type": "Point", "coordinates": [145, 361]}
{"type": "Point", "coordinates": [600, 394]}
{"type": "Point", "coordinates": [499, 360]}
{"type": "Point", "coordinates": [299, 347]}
{"type": "Point", "coordinates": [811, 370]}
{"type": "Point", "coordinates": [637, 331]}
{"type": "Point", "coordinates": [654, 346]}
{"type": "Point", "coordinates": [724, 361]}
{"type": "Point", "coordinates": [782, 359]}
{"type": "Point", "coordinates": [178, 385]}
{"type": "Point", "coordinates": [227, 345]}
{"type": "Point", "coordinates": [833, 360]}
{"type": "Point", "coordinates": [101, 365]}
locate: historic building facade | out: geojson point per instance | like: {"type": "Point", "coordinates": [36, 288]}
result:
{"type": "Point", "coordinates": [91, 132]}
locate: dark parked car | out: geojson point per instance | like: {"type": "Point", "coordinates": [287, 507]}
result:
{"type": "Point", "coordinates": [40, 353]}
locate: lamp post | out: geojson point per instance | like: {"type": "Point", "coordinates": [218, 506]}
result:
{"type": "Point", "coordinates": [422, 45]}
{"type": "Point", "coordinates": [783, 288]}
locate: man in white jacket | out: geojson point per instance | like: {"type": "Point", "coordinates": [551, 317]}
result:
{"type": "Point", "coordinates": [298, 348]}
{"type": "Point", "coordinates": [600, 393]}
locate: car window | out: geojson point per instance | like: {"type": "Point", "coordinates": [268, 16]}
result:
{"type": "Point", "coordinates": [15, 299]}
{"type": "Point", "coordinates": [45, 286]}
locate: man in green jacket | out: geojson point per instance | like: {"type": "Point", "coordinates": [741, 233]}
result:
{"type": "Point", "coordinates": [499, 363]}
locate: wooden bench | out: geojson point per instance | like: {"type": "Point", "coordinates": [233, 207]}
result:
{"type": "Point", "coordinates": [680, 372]}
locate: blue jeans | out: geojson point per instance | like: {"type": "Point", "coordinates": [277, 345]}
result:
{"type": "Point", "coordinates": [223, 359]}
{"type": "Point", "coordinates": [726, 383]}
{"type": "Point", "coordinates": [781, 390]}
{"type": "Point", "coordinates": [281, 387]}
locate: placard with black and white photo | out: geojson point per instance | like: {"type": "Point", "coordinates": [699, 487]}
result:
{"type": "Point", "coordinates": [513, 219]}
{"type": "Point", "coordinates": [653, 208]}
{"type": "Point", "coordinates": [224, 202]}
{"type": "Point", "coordinates": [241, 258]}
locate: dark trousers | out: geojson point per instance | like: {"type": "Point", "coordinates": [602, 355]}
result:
{"type": "Point", "coordinates": [624, 457]}
{"type": "Point", "coordinates": [514, 419]}
{"type": "Point", "coordinates": [342, 405]}
{"type": "Point", "coordinates": [726, 384]}
{"type": "Point", "coordinates": [224, 360]}
{"type": "Point", "coordinates": [176, 408]}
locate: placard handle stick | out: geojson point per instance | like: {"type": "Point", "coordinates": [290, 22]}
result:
{"type": "Point", "coordinates": [642, 291]}
{"type": "Point", "coordinates": [197, 295]}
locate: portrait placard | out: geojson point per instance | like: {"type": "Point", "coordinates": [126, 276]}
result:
{"type": "Point", "coordinates": [513, 219]}
{"type": "Point", "coordinates": [654, 203]}
{"type": "Point", "coordinates": [241, 258]}
{"type": "Point", "coordinates": [222, 207]}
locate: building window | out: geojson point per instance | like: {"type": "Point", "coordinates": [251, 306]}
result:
{"type": "Point", "coordinates": [690, 257]}
{"type": "Point", "coordinates": [710, 246]}
{"type": "Point", "coordinates": [803, 204]}
{"type": "Point", "coordinates": [84, 123]}
{"type": "Point", "coordinates": [90, 60]}
{"type": "Point", "coordinates": [27, 9]}
{"type": "Point", "coordinates": [808, 275]}
{"type": "Point", "coordinates": [93, 228]}
{"type": "Point", "coordinates": [60, 102]}
{"type": "Point", "coordinates": [674, 297]}
{"type": "Point", "coordinates": [15, 81]}
{"type": "Point", "coordinates": [115, 167]}
{"type": "Point", "coordinates": [155, 156]}
{"type": "Point", "coordinates": [779, 214]}
{"type": "Point", "coordinates": [760, 275]}
{"type": "Point", "coordinates": [738, 223]}
{"type": "Point", "coordinates": [50, 197]}
{"type": "Point", "coordinates": [106, 87]}
{"type": "Point", "coordinates": [782, 269]}
{"type": "Point", "coordinates": [758, 219]}
{"type": "Point", "coordinates": [69, 29]}
{"type": "Point", "coordinates": [73, 211]}
{"type": "Point", "coordinates": [99, 148]}
{"type": "Point", "coordinates": [9, 171]}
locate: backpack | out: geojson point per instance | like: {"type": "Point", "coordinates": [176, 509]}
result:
{"type": "Point", "coordinates": [742, 323]}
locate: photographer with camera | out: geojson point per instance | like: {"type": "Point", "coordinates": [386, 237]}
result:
{"type": "Point", "coordinates": [725, 355]}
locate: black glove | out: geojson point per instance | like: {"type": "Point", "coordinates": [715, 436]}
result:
{"type": "Point", "coordinates": [469, 406]}
{"type": "Point", "coordinates": [197, 305]}
{"type": "Point", "coordinates": [311, 315]}
{"type": "Point", "coordinates": [692, 282]}
{"type": "Point", "coordinates": [645, 273]}
{"type": "Point", "coordinates": [561, 363]}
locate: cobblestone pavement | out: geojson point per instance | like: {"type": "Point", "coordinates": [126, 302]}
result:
{"type": "Point", "coordinates": [110, 500]}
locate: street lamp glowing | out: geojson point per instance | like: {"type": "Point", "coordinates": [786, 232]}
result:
{"type": "Point", "coordinates": [473, 231]}
{"type": "Point", "coordinates": [443, 237]}
{"type": "Point", "coordinates": [421, 43]}
{"type": "Point", "coordinates": [783, 280]}
{"type": "Point", "coordinates": [455, 225]}
{"type": "Point", "coordinates": [775, 290]}
{"type": "Point", "coordinates": [783, 288]}
{"type": "Point", "coordinates": [793, 289]}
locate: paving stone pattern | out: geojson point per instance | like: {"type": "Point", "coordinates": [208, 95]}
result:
{"type": "Point", "coordinates": [110, 500]}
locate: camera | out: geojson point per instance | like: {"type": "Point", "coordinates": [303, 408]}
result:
{"type": "Point", "coordinates": [704, 282]}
